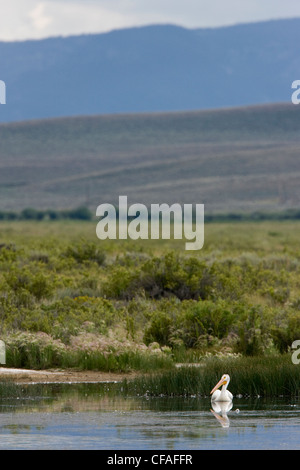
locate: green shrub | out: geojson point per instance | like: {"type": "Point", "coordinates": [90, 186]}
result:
{"type": "Point", "coordinates": [86, 251]}
{"type": "Point", "coordinates": [254, 331]}
{"type": "Point", "coordinates": [37, 284]}
{"type": "Point", "coordinates": [171, 275]}
{"type": "Point", "coordinates": [185, 278]}
{"type": "Point", "coordinates": [8, 252]}
{"type": "Point", "coordinates": [120, 284]}
{"type": "Point", "coordinates": [205, 318]}
{"type": "Point", "coordinates": [159, 330]}
{"type": "Point", "coordinates": [284, 335]}
{"type": "Point", "coordinates": [68, 315]}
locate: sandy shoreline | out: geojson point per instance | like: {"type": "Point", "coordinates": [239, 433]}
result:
{"type": "Point", "coordinates": [61, 376]}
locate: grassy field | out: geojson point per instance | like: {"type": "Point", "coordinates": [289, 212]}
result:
{"type": "Point", "coordinates": [232, 160]}
{"type": "Point", "coordinates": [69, 300]}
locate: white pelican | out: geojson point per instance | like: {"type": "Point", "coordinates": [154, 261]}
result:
{"type": "Point", "coordinates": [224, 394]}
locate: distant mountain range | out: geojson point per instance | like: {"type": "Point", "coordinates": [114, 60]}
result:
{"type": "Point", "coordinates": [150, 69]}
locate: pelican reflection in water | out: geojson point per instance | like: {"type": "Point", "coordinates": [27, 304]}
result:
{"type": "Point", "coordinates": [220, 410]}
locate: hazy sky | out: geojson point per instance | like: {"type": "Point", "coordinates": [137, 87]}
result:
{"type": "Point", "coordinates": [33, 19]}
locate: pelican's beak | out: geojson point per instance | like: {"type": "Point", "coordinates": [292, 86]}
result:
{"type": "Point", "coordinates": [221, 382]}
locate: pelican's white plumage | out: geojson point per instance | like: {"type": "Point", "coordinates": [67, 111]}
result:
{"type": "Point", "coordinates": [223, 394]}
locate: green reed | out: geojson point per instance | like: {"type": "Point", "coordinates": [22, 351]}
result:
{"type": "Point", "coordinates": [250, 376]}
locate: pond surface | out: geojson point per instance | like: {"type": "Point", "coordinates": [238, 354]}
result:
{"type": "Point", "coordinates": [97, 416]}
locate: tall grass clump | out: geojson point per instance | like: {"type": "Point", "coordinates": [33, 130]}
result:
{"type": "Point", "coordinates": [33, 351]}
{"type": "Point", "coordinates": [41, 351]}
{"type": "Point", "coordinates": [250, 376]}
{"type": "Point", "coordinates": [122, 361]}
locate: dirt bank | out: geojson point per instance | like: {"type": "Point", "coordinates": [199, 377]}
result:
{"type": "Point", "coordinates": [59, 376]}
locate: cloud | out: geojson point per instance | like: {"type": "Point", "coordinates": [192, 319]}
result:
{"type": "Point", "coordinates": [39, 17]}
{"type": "Point", "coordinates": [33, 19]}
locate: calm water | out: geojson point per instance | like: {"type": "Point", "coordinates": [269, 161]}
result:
{"type": "Point", "coordinates": [93, 416]}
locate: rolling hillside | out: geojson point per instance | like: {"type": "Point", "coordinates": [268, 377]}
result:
{"type": "Point", "coordinates": [150, 69]}
{"type": "Point", "coordinates": [238, 159]}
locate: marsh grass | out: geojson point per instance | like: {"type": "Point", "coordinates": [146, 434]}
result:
{"type": "Point", "coordinates": [250, 376]}
{"type": "Point", "coordinates": [36, 355]}
{"type": "Point", "coordinates": [116, 362]}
